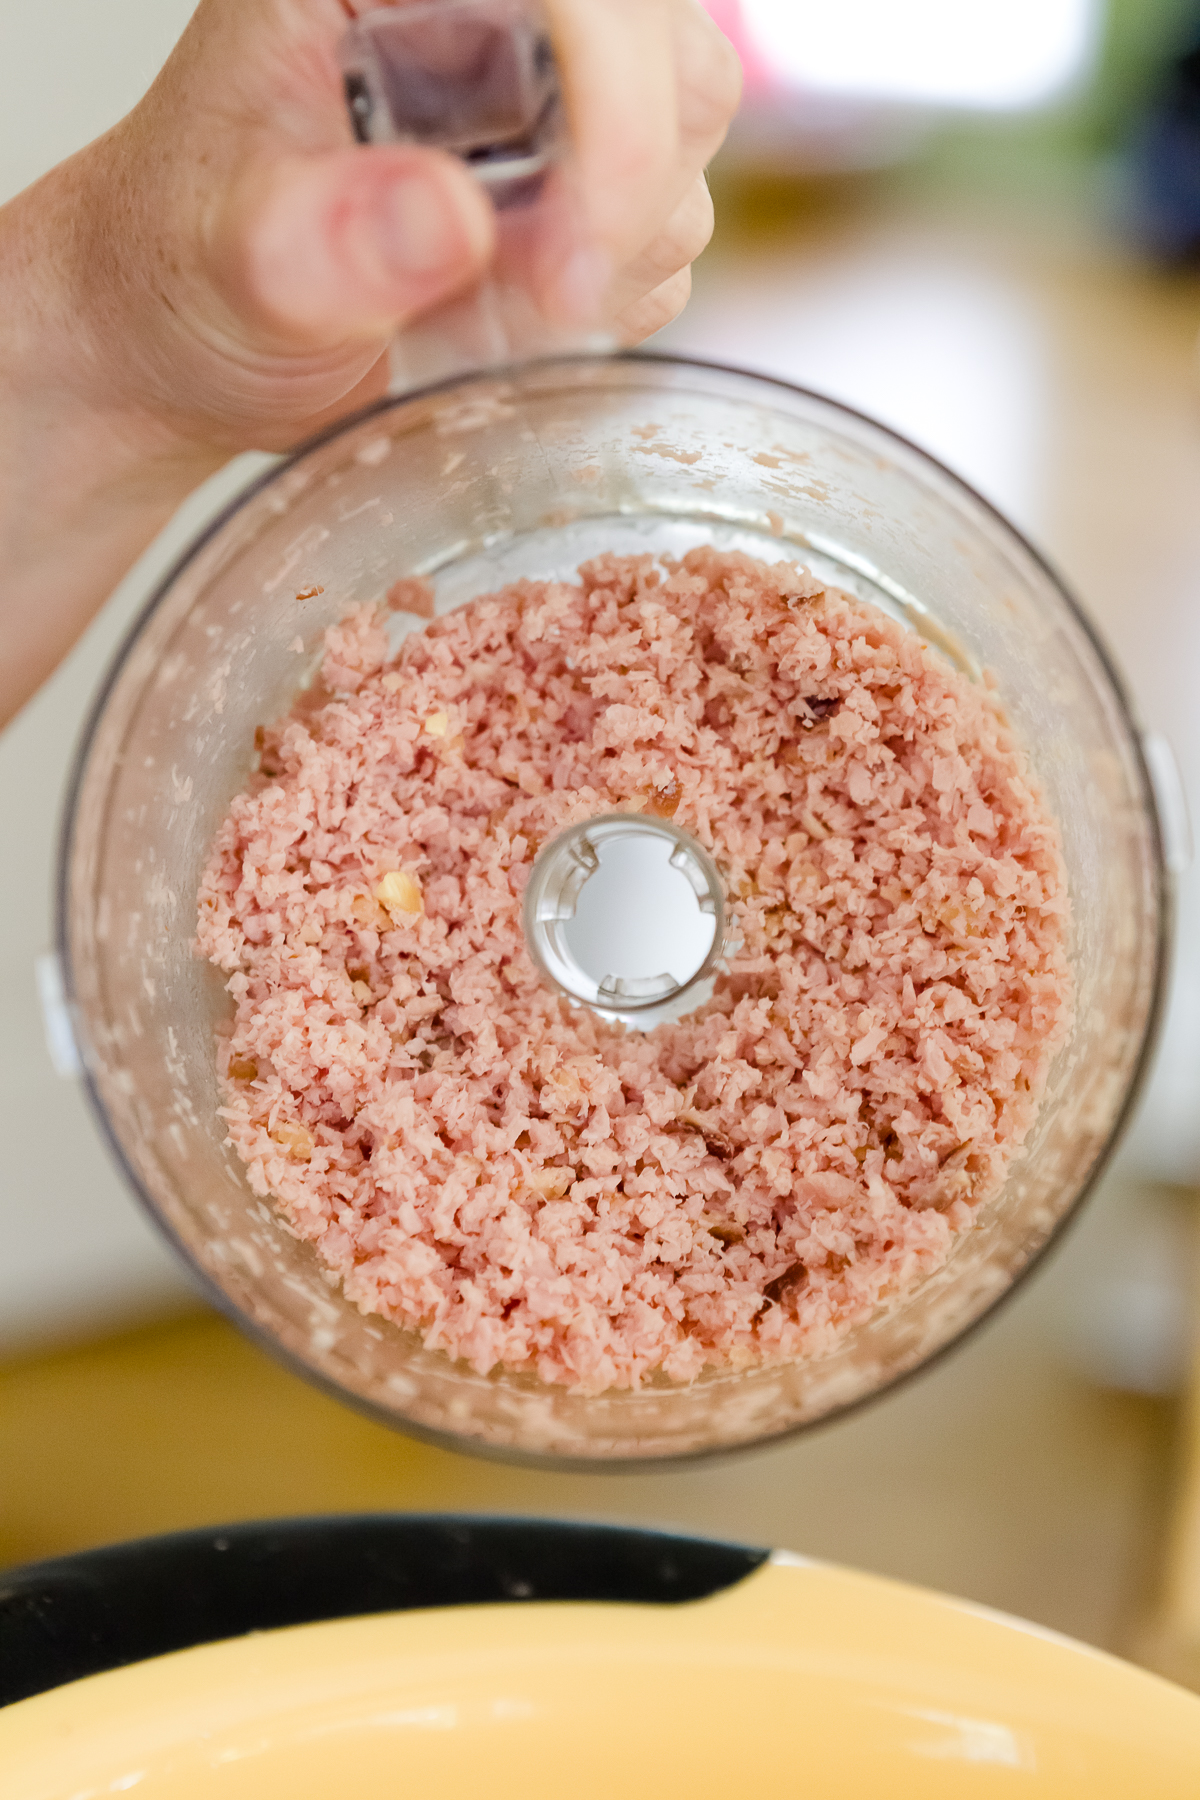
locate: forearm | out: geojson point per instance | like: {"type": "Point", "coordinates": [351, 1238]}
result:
{"type": "Point", "coordinates": [85, 482]}
{"type": "Point", "coordinates": [77, 507]}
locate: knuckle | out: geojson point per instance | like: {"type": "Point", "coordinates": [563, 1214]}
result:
{"type": "Point", "coordinates": [674, 247]}
{"type": "Point", "coordinates": [655, 309]}
{"type": "Point", "coordinates": [709, 74]}
{"type": "Point", "coordinates": [688, 229]}
{"type": "Point", "coordinates": [698, 218]}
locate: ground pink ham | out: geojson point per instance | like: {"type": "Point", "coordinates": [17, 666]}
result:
{"type": "Point", "coordinates": [528, 1185]}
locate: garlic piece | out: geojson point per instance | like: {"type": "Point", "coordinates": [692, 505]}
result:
{"type": "Point", "coordinates": [437, 724]}
{"type": "Point", "coordinates": [367, 912]}
{"type": "Point", "coordinates": [297, 1140]}
{"type": "Point", "coordinates": [401, 894]}
{"type": "Point", "coordinates": [552, 1184]}
{"type": "Point", "coordinates": [562, 1091]}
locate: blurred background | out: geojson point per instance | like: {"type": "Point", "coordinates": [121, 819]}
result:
{"type": "Point", "coordinates": [982, 225]}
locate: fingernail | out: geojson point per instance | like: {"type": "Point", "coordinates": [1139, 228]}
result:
{"type": "Point", "coordinates": [582, 285]}
{"type": "Point", "coordinates": [420, 233]}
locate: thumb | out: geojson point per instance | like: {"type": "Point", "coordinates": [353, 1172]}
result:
{"type": "Point", "coordinates": [310, 251]}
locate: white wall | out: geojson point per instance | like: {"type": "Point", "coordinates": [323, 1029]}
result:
{"type": "Point", "coordinates": [71, 68]}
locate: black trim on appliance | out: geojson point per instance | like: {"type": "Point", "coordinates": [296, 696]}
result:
{"type": "Point", "coordinates": [80, 1615]}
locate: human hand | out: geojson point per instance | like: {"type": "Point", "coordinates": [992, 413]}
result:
{"type": "Point", "coordinates": [239, 265]}
{"type": "Point", "coordinates": [225, 268]}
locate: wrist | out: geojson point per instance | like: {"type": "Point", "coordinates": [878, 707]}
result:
{"type": "Point", "coordinates": [86, 478]}
{"type": "Point", "coordinates": [69, 345]}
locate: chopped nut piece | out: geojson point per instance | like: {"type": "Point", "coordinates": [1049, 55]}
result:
{"type": "Point", "coordinates": [266, 745]}
{"type": "Point", "coordinates": [954, 1184]}
{"type": "Point", "coordinates": [775, 922]}
{"type": "Point", "coordinates": [727, 1234]}
{"type": "Point", "coordinates": [368, 912]}
{"type": "Point", "coordinates": [959, 917]}
{"type": "Point", "coordinates": [437, 724]}
{"type": "Point", "coordinates": [562, 1091]}
{"type": "Point", "coordinates": [297, 1140]}
{"type": "Point", "coordinates": [400, 893]}
{"type": "Point", "coordinates": [243, 1068]}
{"type": "Point", "coordinates": [552, 1184]}
{"type": "Point", "coordinates": [792, 1277]}
{"type": "Point", "coordinates": [662, 800]}
{"type": "Point", "coordinates": [819, 708]}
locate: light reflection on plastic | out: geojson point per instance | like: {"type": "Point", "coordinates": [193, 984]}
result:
{"type": "Point", "coordinates": [971, 1741]}
{"type": "Point", "coordinates": [953, 53]}
{"type": "Point", "coordinates": [426, 1718]}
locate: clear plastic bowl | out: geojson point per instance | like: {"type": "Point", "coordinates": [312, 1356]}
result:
{"type": "Point", "coordinates": [528, 472]}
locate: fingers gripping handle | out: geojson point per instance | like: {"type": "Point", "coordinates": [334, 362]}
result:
{"type": "Point", "coordinates": [477, 78]}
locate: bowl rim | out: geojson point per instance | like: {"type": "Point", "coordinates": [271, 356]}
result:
{"type": "Point", "coordinates": [1163, 915]}
{"type": "Point", "coordinates": [67, 1617]}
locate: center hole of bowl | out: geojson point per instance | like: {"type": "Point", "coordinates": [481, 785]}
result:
{"type": "Point", "coordinates": [623, 912]}
{"type": "Point", "coordinates": [638, 917]}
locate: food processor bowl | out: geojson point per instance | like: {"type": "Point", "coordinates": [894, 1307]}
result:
{"type": "Point", "coordinates": [528, 472]}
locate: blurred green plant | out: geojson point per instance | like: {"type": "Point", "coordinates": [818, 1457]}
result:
{"type": "Point", "coordinates": [1138, 40]}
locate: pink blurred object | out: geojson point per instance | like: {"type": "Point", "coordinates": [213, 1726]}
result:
{"type": "Point", "coordinates": [727, 16]}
